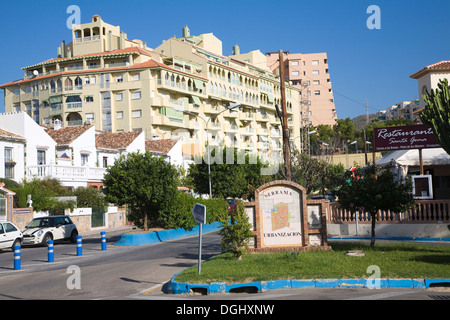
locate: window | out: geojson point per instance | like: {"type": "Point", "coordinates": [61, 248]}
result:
{"type": "Point", "coordinates": [89, 99]}
{"type": "Point", "coordinates": [295, 73]}
{"type": "Point", "coordinates": [93, 80]}
{"type": "Point", "coordinates": [119, 97]}
{"type": "Point", "coordinates": [135, 77]}
{"type": "Point", "coordinates": [317, 92]}
{"type": "Point", "coordinates": [315, 72]}
{"type": "Point", "coordinates": [119, 78]}
{"type": "Point", "coordinates": [294, 63]}
{"type": "Point", "coordinates": [87, 80]}
{"type": "Point", "coordinates": [84, 159]}
{"type": "Point", "coordinates": [9, 163]}
{"type": "Point", "coordinates": [119, 114]}
{"type": "Point", "coordinates": [137, 114]}
{"type": "Point", "coordinates": [89, 117]}
{"type": "Point", "coordinates": [315, 62]}
{"type": "Point", "coordinates": [105, 162]}
{"type": "Point", "coordinates": [316, 82]}
{"type": "Point", "coordinates": [136, 95]}
{"type": "Point", "coordinates": [41, 158]}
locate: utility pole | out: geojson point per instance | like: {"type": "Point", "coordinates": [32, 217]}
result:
{"type": "Point", "coordinates": [284, 124]}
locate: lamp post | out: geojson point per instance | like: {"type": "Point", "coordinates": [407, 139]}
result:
{"type": "Point", "coordinates": [235, 105]}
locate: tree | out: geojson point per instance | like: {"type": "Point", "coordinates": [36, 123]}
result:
{"type": "Point", "coordinates": [236, 231]}
{"type": "Point", "coordinates": [370, 189]}
{"type": "Point", "coordinates": [143, 182]}
{"type": "Point", "coordinates": [231, 178]}
{"type": "Point", "coordinates": [437, 113]}
{"type": "Point", "coordinates": [44, 195]}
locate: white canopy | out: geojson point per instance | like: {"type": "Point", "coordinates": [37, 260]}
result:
{"type": "Point", "coordinates": [430, 157]}
{"type": "Point", "coordinates": [403, 159]}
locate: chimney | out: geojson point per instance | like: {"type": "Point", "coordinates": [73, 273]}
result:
{"type": "Point", "coordinates": [110, 40]}
{"type": "Point", "coordinates": [122, 40]}
{"type": "Point", "coordinates": [59, 51]}
{"type": "Point", "coordinates": [63, 49]}
{"type": "Point", "coordinates": [236, 50]}
{"type": "Point", "coordinates": [186, 32]}
{"type": "Point", "coordinates": [56, 124]}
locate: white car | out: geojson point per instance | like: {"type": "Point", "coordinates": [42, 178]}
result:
{"type": "Point", "coordinates": [41, 230]}
{"type": "Point", "coordinates": [10, 235]}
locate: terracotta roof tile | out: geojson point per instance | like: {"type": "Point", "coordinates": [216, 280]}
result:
{"type": "Point", "coordinates": [66, 135]}
{"type": "Point", "coordinates": [441, 65]}
{"type": "Point", "coordinates": [115, 140]}
{"type": "Point", "coordinates": [161, 146]}
{"type": "Point", "coordinates": [9, 135]}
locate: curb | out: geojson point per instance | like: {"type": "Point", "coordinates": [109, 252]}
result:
{"type": "Point", "coordinates": [164, 235]}
{"type": "Point", "coordinates": [391, 238]}
{"type": "Point", "coordinates": [175, 287]}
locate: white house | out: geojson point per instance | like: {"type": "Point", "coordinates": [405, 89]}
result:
{"type": "Point", "coordinates": [111, 145]}
{"type": "Point", "coordinates": [170, 149]}
{"type": "Point", "coordinates": [40, 147]}
{"type": "Point", "coordinates": [12, 151]}
{"type": "Point", "coordinates": [428, 78]}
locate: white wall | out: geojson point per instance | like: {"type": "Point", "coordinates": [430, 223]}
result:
{"type": "Point", "coordinates": [18, 156]}
{"type": "Point", "coordinates": [21, 123]}
{"type": "Point", "coordinates": [85, 142]}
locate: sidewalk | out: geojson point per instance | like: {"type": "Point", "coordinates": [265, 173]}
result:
{"type": "Point", "coordinates": [96, 231]}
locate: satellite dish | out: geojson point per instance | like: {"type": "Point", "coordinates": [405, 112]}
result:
{"type": "Point", "coordinates": [36, 73]}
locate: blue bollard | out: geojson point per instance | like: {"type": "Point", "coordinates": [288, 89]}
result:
{"type": "Point", "coordinates": [17, 262]}
{"type": "Point", "coordinates": [103, 240]}
{"type": "Point", "coordinates": [51, 254]}
{"type": "Point", "coordinates": [79, 246]}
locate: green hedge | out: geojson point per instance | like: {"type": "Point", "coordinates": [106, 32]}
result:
{"type": "Point", "coordinates": [179, 213]}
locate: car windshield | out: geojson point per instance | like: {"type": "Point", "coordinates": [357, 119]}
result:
{"type": "Point", "coordinates": [40, 223]}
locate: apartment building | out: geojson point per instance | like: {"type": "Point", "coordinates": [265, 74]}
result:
{"type": "Point", "coordinates": [119, 85]}
{"type": "Point", "coordinates": [309, 73]}
{"type": "Point", "coordinates": [407, 110]}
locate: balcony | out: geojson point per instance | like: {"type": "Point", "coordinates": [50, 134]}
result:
{"type": "Point", "coordinates": [66, 173]}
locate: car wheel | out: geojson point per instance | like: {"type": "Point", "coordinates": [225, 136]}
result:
{"type": "Point", "coordinates": [73, 236]}
{"type": "Point", "coordinates": [16, 242]}
{"type": "Point", "coordinates": [47, 237]}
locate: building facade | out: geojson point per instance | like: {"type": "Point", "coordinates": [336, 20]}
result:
{"type": "Point", "coordinates": [120, 85]}
{"type": "Point", "coordinates": [309, 73]}
{"type": "Point", "coordinates": [428, 79]}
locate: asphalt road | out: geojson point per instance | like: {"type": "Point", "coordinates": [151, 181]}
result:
{"type": "Point", "coordinates": [117, 273]}
{"type": "Point", "coordinates": [139, 273]}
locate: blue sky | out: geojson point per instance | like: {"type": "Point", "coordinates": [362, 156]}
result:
{"type": "Point", "coordinates": [363, 64]}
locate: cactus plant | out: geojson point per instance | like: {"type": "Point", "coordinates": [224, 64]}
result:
{"type": "Point", "coordinates": [437, 113]}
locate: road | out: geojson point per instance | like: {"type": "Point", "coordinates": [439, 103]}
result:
{"type": "Point", "coordinates": [139, 272]}
{"type": "Point", "coordinates": [117, 273]}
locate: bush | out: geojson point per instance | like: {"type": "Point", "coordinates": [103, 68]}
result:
{"type": "Point", "coordinates": [178, 214]}
{"type": "Point", "coordinates": [236, 232]}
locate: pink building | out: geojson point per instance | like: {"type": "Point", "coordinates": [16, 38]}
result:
{"type": "Point", "coordinates": [309, 72]}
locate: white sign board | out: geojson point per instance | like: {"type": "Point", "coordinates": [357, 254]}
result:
{"type": "Point", "coordinates": [199, 212]}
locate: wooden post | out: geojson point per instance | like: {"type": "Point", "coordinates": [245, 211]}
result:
{"type": "Point", "coordinates": [420, 161]}
{"type": "Point", "coordinates": [286, 153]}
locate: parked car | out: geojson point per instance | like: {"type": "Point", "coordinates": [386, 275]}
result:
{"type": "Point", "coordinates": [10, 235]}
{"type": "Point", "coordinates": [42, 230]}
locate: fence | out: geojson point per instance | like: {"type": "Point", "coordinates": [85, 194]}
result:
{"type": "Point", "coordinates": [424, 211]}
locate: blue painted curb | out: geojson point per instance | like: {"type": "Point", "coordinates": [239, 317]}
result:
{"type": "Point", "coordinates": [164, 235]}
{"type": "Point", "coordinates": [175, 287]}
{"type": "Point", "coordinates": [389, 238]}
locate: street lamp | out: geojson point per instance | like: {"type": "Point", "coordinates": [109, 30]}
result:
{"type": "Point", "coordinates": [235, 105]}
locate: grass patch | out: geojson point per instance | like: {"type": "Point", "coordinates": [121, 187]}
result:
{"type": "Point", "coordinates": [394, 261]}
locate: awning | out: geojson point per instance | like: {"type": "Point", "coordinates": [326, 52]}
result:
{"type": "Point", "coordinates": [198, 84]}
{"type": "Point", "coordinates": [270, 98]}
{"type": "Point", "coordinates": [197, 100]}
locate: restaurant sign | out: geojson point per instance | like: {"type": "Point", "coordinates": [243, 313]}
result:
{"type": "Point", "coordinates": [404, 138]}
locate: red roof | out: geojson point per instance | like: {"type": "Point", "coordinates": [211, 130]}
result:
{"type": "Point", "coordinates": [438, 66]}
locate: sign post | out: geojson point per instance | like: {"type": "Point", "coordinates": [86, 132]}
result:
{"type": "Point", "coordinates": [199, 212]}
